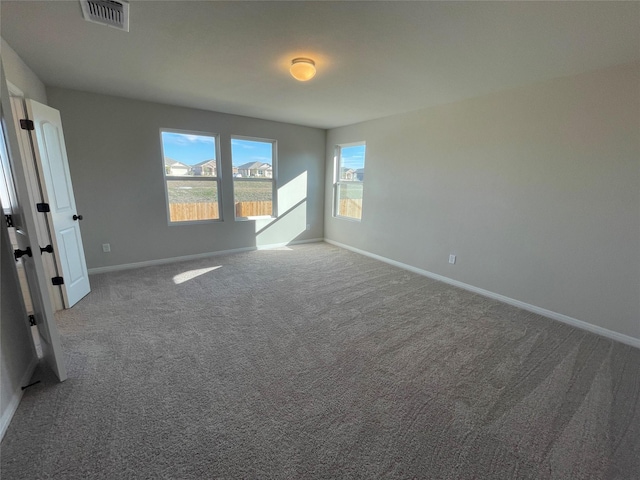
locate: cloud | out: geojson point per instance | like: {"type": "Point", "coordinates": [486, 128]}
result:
{"type": "Point", "coordinates": [242, 143]}
{"type": "Point", "coordinates": [186, 138]}
{"type": "Point", "coordinates": [199, 139]}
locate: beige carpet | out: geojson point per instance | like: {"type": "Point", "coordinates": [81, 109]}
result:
{"type": "Point", "coordinates": [315, 362]}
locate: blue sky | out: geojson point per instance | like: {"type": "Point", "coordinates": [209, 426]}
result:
{"type": "Point", "coordinates": [187, 148]}
{"type": "Point", "coordinates": [245, 151]}
{"type": "Point", "coordinates": [353, 157]}
{"type": "Point", "coordinates": [191, 149]}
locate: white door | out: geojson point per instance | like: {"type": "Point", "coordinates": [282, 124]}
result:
{"type": "Point", "coordinates": [25, 235]}
{"type": "Point", "coordinates": [64, 221]}
{"type": "Point", "coordinates": [33, 183]}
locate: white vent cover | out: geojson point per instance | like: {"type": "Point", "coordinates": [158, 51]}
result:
{"type": "Point", "coordinates": [113, 13]}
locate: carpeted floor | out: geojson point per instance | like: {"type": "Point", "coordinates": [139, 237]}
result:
{"type": "Point", "coordinates": [315, 362]}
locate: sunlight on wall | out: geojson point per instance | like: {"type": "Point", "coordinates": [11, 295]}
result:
{"type": "Point", "coordinates": [292, 214]}
{"type": "Point", "coordinates": [285, 228]}
{"type": "Point", "coordinates": [191, 274]}
{"type": "Point", "coordinates": [292, 193]}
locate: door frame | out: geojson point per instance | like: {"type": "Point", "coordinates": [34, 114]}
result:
{"type": "Point", "coordinates": [38, 289]}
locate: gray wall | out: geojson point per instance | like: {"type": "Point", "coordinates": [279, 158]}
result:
{"type": "Point", "coordinates": [116, 167]}
{"type": "Point", "coordinates": [536, 189]}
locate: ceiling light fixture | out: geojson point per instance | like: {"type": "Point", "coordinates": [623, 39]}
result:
{"type": "Point", "coordinates": [303, 69]}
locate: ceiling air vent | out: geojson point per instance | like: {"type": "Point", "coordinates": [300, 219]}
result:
{"type": "Point", "coordinates": [113, 13]}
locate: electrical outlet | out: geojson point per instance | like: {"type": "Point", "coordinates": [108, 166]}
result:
{"type": "Point", "coordinates": [452, 259]}
{"type": "Point", "coordinates": [308, 226]}
{"type": "Point", "coordinates": [106, 247]}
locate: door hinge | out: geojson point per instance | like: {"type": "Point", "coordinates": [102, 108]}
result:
{"type": "Point", "coordinates": [43, 207]}
{"type": "Point", "coordinates": [32, 320]}
{"type": "Point", "coordinates": [57, 281]}
{"type": "Point", "coordinates": [26, 124]}
{"type": "Point", "coordinates": [9, 220]}
{"type": "Point", "coordinates": [20, 253]}
{"type": "Point", "coordinates": [48, 249]}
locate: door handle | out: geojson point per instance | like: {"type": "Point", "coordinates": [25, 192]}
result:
{"type": "Point", "coordinates": [77, 217]}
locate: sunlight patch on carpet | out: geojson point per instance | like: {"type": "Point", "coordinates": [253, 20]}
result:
{"type": "Point", "coordinates": [191, 274]}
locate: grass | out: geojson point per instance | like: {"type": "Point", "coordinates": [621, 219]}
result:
{"type": "Point", "coordinates": [200, 191]}
{"type": "Point", "coordinates": [351, 190]}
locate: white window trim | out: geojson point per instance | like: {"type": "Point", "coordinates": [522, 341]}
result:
{"type": "Point", "coordinates": [336, 179]}
{"type": "Point", "coordinates": [274, 177]}
{"type": "Point", "coordinates": [217, 178]}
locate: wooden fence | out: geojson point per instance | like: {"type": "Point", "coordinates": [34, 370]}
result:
{"type": "Point", "coordinates": [180, 212]}
{"type": "Point", "coordinates": [253, 209]}
{"type": "Point", "coordinates": [350, 207]}
{"type": "Point", "coordinates": [184, 212]}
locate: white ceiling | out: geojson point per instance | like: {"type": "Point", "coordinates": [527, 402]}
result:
{"type": "Point", "coordinates": [373, 58]}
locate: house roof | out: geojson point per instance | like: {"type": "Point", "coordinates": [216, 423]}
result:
{"type": "Point", "coordinates": [254, 166]}
{"type": "Point", "coordinates": [170, 162]}
{"type": "Point", "coordinates": [211, 162]}
{"type": "Point", "coordinates": [373, 59]}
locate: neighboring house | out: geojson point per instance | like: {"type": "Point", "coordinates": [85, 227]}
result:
{"type": "Point", "coordinates": [255, 169]}
{"type": "Point", "coordinates": [347, 174]}
{"type": "Point", "coordinates": [176, 168]}
{"type": "Point", "coordinates": [208, 168]}
{"type": "Point", "coordinates": [267, 171]}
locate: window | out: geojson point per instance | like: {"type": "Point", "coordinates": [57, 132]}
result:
{"type": "Point", "coordinates": [192, 175]}
{"type": "Point", "coordinates": [349, 180]}
{"type": "Point", "coordinates": [254, 164]}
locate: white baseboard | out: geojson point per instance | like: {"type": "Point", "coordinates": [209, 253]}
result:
{"type": "Point", "coordinates": [273, 246]}
{"type": "Point", "coordinates": [626, 339]}
{"type": "Point", "coordinates": [7, 415]}
{"type": "Point", "coordinates": [162, 261]}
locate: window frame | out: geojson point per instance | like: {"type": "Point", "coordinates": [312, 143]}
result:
{"type": "Point", "coordinates": [273, 179]}
{"type": "Point", "coordinates": [337, 182]}
{"type": "Point", "coordinates": [189, 178]}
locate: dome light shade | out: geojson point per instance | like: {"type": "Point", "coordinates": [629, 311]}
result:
{"type": "Point", "coordinates": [303, 69]}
